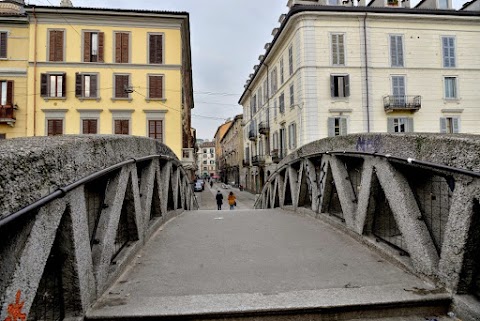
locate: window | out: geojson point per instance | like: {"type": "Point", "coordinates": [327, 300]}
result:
{"type": "Point", "coordinates": [275, 109]}
{"type": "Point", "coordinates": [292, 95]}
{"type": "Point", "coordinates": [122, 126]}
{"type": "Point", "coordinates": [282, 77]}
{"type": "Point", "coordinates": [275, 140]}
{"type": "Point", "coordinates": [205, 151]}
{"type": "Point", "coordinates": [442, 4]}
{"type": "Point", "coordinates": [292, 136]}
{"type": "Point", "coordinates": [338, 49]}
{"type": "Point", "coordinates": [396, 50]}
{"type": "Point", "coordinates": [156, 49]}
{"type": "Point", "coordinates": [340, 85]}
{"type": "Point", "coordinates": [122, 83]}
{"type": "Point", "coordinates": [53, 85]}
{"type": "Point", "coordinates": [290, 60]}
{"type": "Point", "coordinates": [155, 87]}
{"type": "Point", "coordinates": [337, 126]}
{"type": "Point", "coordinates": [155, 129]}
{"type": "Point", "coordinates": [253, 104]}
{"type": "Point", "coordinates": [122, 41]}
{"type": "Point", "coordinates": [3, 136]}
{"type": "Point", "coordinates": [398, 90]}
{"type": "Point", "coordinates": [89, 126]}
{"type": "Point", "coordinates": [400, 125]}
{"type": "Point", "coordinates": [56, 44]}
{"type": "Point", "coordinates": [212, 162]}
{"type": "Point", "coordinates": [450, 87]}
{"type": "Point", "coordinates": [333, 2]}
{"type": "Point", "coordinates": [54, 127]}
{"type": "Point", "coordinates": [93, 46]}
{"type": "Point", "coordinates": [86, 85]}
{"type": "Point", "coordinates": [265, 91]}
{"type": "Point", "coordinates": [3, 45]}
{"type": "Point", "coordinates": [273, 82]}
{"type": "Point", "coordinates": [449, 125]}
{"type": "Point", "coordinates": [260, 97]}
{"type": "Point", "coordinates": [6, 93]}
{"type": "Point", "coordinates": [281, 103]}
{"type": "Point", "coordinates": [211, 151]}
{"type": "Point", "coordinates": [448, 44]}
{"type": "Point", "coordinates": [204, 162]}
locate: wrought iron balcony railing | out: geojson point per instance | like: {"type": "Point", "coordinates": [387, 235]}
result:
{"type": "Point", "coordinates": [278, 155]}
{"type": "Point", "coordinates": [7, 114]}
{"type": "Point", "coordinates": [392, 103]}
{"type": "Point", "coordinates": [252, 135]}
{"type": "Point", "coordinates": [258, 160]}
{"type": "Point", "coordinates": [263, 128]}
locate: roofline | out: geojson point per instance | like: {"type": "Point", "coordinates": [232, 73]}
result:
{"type": "Point", "coordinates": [109, 11]}
{"type": "Point", "coordinates": [226, 123]}
{"type": "Point", "coordinates": [419, 4]}
{"type": "Point", "coordinates": [297, 9]}
{"type": "Point", "coordinates": [237, 118]}
{"type": "Point", "coordinates": [468, 4]}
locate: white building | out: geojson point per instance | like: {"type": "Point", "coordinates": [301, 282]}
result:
{"type": "Point", "coordinates": [206, 159]}
{"type": "Point", "coordinates": [335, 69]}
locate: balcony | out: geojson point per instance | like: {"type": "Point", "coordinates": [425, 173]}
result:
{"type": "Point", "coordinates": [263, 128]}
{"type": "Point", "coordinates": [188, 159]}
{"type": "Point", "coordinates": [258, 160]}
{"type": "Point", "coordinates": [246, 163]}
{"type": "Point", "coordinates": [278, 155]}
{"type": "Point", "coordinates": [252, 135]}
{"type": "Point", "coordinates": [402, 103]}
{"type": "Point", "coordinates": [7, 115]}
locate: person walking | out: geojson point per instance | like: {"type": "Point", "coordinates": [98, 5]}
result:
{"type": "Point", "coordinates": [232, 200]}
{"type": "Point", "coordinates": [219, 198]}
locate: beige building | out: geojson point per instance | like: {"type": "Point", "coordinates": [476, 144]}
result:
{"type": "Point", "coordinates": [336, 69]}
{"type": "Point", "coordinates": [221, 130]}
{"type": "Point", "coordinates": [232, 153]}
{"type": "Point", "coordinates": [206, 160]}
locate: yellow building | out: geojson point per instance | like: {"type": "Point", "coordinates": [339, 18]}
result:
{"type": "Point", "coordinates": [13, 69]}
{"type": "Point", "coordinates": [110, 71]}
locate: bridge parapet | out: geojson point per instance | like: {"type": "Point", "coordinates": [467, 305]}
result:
{"type": "Point", "coordinates": [73, 212]}
{"type": "Point", "coordinates": [414, 197]}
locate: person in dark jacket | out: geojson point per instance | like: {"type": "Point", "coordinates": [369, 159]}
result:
{"type": "Point", "coordinates": [219, 198]}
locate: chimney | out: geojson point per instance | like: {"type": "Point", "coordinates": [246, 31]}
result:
{"type": "Point", "coordinates": [66, 3]}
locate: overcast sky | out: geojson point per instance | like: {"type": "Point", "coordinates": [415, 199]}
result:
{"type": "Point", "coordinates": [227, 36]}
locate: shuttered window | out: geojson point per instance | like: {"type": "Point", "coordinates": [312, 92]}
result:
{"type": "Point", "coordinates": [155, 87]}
{"type": "Point", "coordinates": [337, 126]}
{"type": "Point", "coordinates": [396, 50]}
{"type": "Point", "coordinates": [450, 87]}
{"type": "Point", "coordinates": [89, 126]}
{"type": "Point", "coordinates": [55, 48]}
{"type": "Point", "coordinates": [86, 85]}
{"type": "Point", "coordinates": [53, 85]}
{"type": "Point", "coordinates": [282, 73]}
{"type": "Point", "coordinates": [273, 82]}
{"type": "Point", "coordinates": [340, 85]}
{"type": "Point", "coordinates": [292, 95]}
{"type": "Point", "coordinates": [400, 125]}
{"type": "Point", "coordinates": [290, 60]}
{"type": "Point", "coordinates": [338, 49]}
{"type": "Point", "coordinates": [54, 127]}
{"type": "Point", "coordinates": [6, 93]}
{"type": "Point", "coordinates": [93, 46]}
{"type": "Point", "coordinates": [449, 125]}
{"type": "Point", "coordinates": [156, 49]}
{"type": "Point", "coordinates": [3, 45]}
{"type": "Point", "coordinates": [292, 136]}
{"type": "Point", "coordinates": [122, 126]}
{"type": "Point", "coordinates": [448, 46]}
{"type": "Point", "coordinates": [281, 103]}
{"type": "Point", "coordinates": [265, 90]}
{"type": "Point", "coordinates": [122, 43]}
{"type": "Point", "coordinates": [121, 86]}
{"type": "Point", "coordinates": [155, 129]}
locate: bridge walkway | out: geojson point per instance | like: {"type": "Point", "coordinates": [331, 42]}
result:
{"type": "Point", "coordinates": [214, 264]}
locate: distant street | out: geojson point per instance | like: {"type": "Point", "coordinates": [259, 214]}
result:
{"type": "Point", "coordinates": [206, 199]}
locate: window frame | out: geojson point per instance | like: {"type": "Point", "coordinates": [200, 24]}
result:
{"type": "Point", "coordinates": [4, 34]}
{"type": "Point", "coordinates": [273, 82]}
{"type": "Point", "coordinates": [129, 49]}
{"type": "Point", "coordinates": [54, 118]}
{"type": "Point", "coordinates": [162, 120]}
{"type": "Point", "coordinates": [48, 75]}
{"type": "Point", "coordinates": [9, 96]}
{"type": "Point", "coordinates": [409, 125]}
{"type": "Point", "coordinates": [290, 60]}
{"type": "Point", "coordinates": [101, 46]}
{"type": "Point", "coordinates": [82, 127]}
{"type": "Point", "coordinates": [115, 119]}
{"type": "Point", "coordinates": [456, 97]}
{"type": "Point", "coordinates": [49, 30]}
{"type": "Point", "coordinates": [343, 124]}
{"type": "Point", "coordinates": [82, 96]}
{"type": "Point", "coordinates": [444, 128]}
{"type": "Point", "coordinates": [392, 63]}
{"type": "Point", "coordinates": [149, 98]}
{"type": "Point", "coordinates": [149, 34]}
{"type": "Point", "coordinates": [454, 52]}
{"type": "Point", "coordinates": [114, 97]}
{"type": "Point", "coordinates": [333, 63]}
{"type": "Point", "coordinates": [334, 85]}
{"type": "Point", "coordinates": [292, 136]}
{"type": "Point", "coordinates": [281, 103]}
{"type": "Point", "coordinates": [282, 71]}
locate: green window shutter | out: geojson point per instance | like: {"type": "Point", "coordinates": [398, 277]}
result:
{"type": "Point", "coordinates": [343, 126]}
{"type": "Point", "coordinates": [331, 127]}
{"type": "Point", "coordinates": [409, 125]}
{"type": "Point", "coordinates": [93, 85]}
{"type": "Point", "coordinates": [456, 125]}
{"type": "Point", "coordinates": [443, 125]}
{"type": "Point", "coordinates": [390, 128]}
{"type": "Point", "coordinates": [332, 86]}
{"type": "Point", "coordinates": [346, 82]}
{"type": "Point", "coordinates": [78, 85]}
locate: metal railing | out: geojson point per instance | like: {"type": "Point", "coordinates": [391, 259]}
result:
{"type": "Point", "coordinates": [258, 160]}
{"type": "Point", "coordinates": [252, 135]}
{"type": "Point", "coordinates": [278, 155]}
{"type": "Point", "coordinates": [7, 112]}
{"type": "Point", "coordinates": [402, 102]}
{"type": "Point", "coordinates": [263, 128]}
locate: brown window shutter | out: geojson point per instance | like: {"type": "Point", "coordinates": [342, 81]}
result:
{"type": "Point", "coordinates": [64, 85]}
{"type": "Point", "coordinates": [118, 47]}
{"type": "Point", "coordinates": [93, 85]}
{"type": "Point", "coordinates": [78, 85]}
{"type": "Point", "coordinates": [156, 50]}
{"type": "Point", "coordinates": [159, 52]}
{"type": "Point", "coordinates": [125, 124]}
{"type": "Point", "coordinates": [118, 127]}
{"type": "Point", "coordinates": [152, 49]}
{"type": "Point", "coordinates": [151, 84]}
{"type": "Point", "coordinates": [58, 127]}
{"type": "Point", "coordinates": [59, 46]}
{"type": "Point", "coordinates": [87, 46]}
{"type": "Point", "coordinates": [101, 39]}
{"type": "Point", "coordinates": [125, 46]}
{"type": "Point", "coordinates": [160, 87]}
{"type": "Point", "coordinates": [44, 85]}
{"type": "Point", "coordinates": [50, 125]}
{"type": "Point", "coordinates": [85, 126]}
{"type": "Point", "coordinates": [51, 45]}
{"type": "Point", "coordinates": [3, 45]}
{"type": "Point", "coordinates": [10, 93]}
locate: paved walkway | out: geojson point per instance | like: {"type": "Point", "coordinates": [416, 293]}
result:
{"type": "Point", "coordinates": [216, 261]}
{"type": "Point", "coordinates": [206, 199]}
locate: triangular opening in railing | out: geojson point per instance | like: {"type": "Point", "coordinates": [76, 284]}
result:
{"type": "Point", "coordinates": [305, 193]}
{"type": "Point", "coordinates": [155, 207]}
{"type": "Point", "coordinates": [127, 231]}
{"type": "Point", "coordinates": [288, 192]}
{"type": "Point", "coordinates": [331, 202]}
{"type": "Point", "coordinates": [384, 226]}
{"type": "Point", "coordinates": [57, 292]}
{"type": "Point", "coordinates": [470, 275]}
{"type": "Point", "coordinates": [170, 197]}
{"type": "Point", "coordinates": [276, 194]}
{"type": "Point", "coordinates": [433, 194]}
{"type": "Point", "coordinates": [95, 198]}
{"type": "Point", "coordinates": [179, 194]}
{"type": "Point", "coordinates": [354, 168]}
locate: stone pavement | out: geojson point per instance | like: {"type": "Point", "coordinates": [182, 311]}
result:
{"type": "Point", "coordinates": [245, 260]}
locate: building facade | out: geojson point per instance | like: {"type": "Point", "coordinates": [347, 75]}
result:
{"type": "Point", "coordinates": [232, 153]}
{"type": "Point", "coordinates": [336, 69]}
{"type": "Point", "coordinates": [14, 31]}
{"type": "Point", "coordinates": [206, 160]}
{"type": "Point", "coordinates": [221, 130]}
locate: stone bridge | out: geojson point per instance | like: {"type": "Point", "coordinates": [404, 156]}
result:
{"type": "Point", "coordinates": [75, 212]}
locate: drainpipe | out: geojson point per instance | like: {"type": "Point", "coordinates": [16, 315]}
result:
{"type": "Point", "coordinates": [366, 71]}
{"type": "Point", "coordinates": [35, 76]}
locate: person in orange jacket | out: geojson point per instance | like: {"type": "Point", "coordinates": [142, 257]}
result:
{"type": "Point", "coordinates": [232, 200]}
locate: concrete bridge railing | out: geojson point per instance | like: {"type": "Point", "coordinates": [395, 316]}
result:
{"type": "Point", "coordinates": [414, 197]}
{"type": "Point", "coordinates": [73, 211]}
